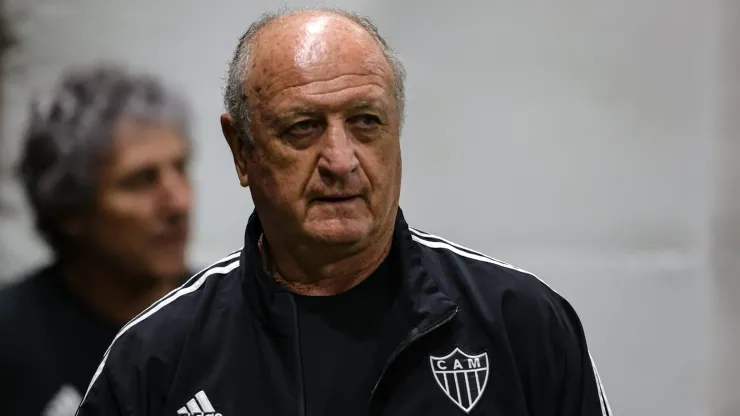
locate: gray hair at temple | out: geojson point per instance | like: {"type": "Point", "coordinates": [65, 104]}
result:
{"type": "Point", "coordinates": [235, 96]}
{"type": "Point", "coordinates": [69, 135]}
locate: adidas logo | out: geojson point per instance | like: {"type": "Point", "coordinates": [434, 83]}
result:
{"type": "Point", "coordinates": [198, 406]}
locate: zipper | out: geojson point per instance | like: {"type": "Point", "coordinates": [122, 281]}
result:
{"type": "Point", "coordinates": [299, 359]}
{"type": "Point", "coordinates": [410, 340]}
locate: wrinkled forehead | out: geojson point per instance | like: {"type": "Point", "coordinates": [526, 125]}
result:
{"type": "Point", "coordinates": [297, 50]}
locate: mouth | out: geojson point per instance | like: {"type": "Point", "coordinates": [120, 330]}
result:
{"type": "Point", "coordinates": [174, 237]}
{"type": "Point", "coordinates": [336, 199]}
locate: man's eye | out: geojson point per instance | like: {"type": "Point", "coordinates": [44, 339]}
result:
{"type": "Point", "coordinates": [140, 180]}
{"type": "Point", "coordinates": [365, 121]}
{"type": "Point", "coordinates": [303, 128]}
{"type": "Point", "coordinates": [182, 166]}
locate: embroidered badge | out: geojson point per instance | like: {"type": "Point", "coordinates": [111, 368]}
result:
{"type": "Point", "coordinates": [461, 376]}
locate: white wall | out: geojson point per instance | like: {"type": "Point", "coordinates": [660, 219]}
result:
{"type": "Point", "coordinates": [725, 229]}
{"type": "Point", "coordinates": [569, 137]}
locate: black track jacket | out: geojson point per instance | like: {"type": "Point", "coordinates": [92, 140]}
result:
{"type": "Point", "coordinates": [468, 335]}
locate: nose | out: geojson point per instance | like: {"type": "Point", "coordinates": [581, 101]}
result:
{"type": "Point", "coordinates": [176, 193]}
{"type": "Point", "coordinates": [338, 158]}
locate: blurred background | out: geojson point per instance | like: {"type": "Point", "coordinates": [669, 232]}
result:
{"type": "Point", "coordinates": [593, 143]}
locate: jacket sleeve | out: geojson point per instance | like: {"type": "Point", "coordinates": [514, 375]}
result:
{"type": "Point", "coordinates": [120, 386]}
{"type": "Point", "coordinates": [548, 344]}
{"type": "Point", "coordinates": [582, 391]}
{"type": "Point", "coordinates": [101, 398]}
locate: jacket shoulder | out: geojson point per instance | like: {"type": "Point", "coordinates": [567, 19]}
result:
{"type": "Point", "coordinates": [499, 293]}
{"type": "Point", "coordinates": [171, 316]}
{"type": "Point", "coordinates": [462, 269]}
{"type": "Point", "coordinates": [543, 331]}
{"type": "Point", "coordinates": [158, 333]}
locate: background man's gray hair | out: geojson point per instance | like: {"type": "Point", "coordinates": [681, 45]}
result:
{"type": "Point", "coordinates": [69, 134]}
{"type": "Point", "coordinates": [235, 96]}
{"type": "Point", "coordinates": [8, 44]}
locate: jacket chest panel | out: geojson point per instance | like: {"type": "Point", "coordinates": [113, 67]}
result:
{"type": "Point", "coordinates": [452, 373]}
{"type": "Point", "coordinates": [245, 373]}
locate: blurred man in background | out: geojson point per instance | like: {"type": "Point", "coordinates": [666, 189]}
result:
{"type": "Point", "coordinates": [105, 170]}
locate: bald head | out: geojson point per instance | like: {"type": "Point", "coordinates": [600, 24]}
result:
{"type": "Point", "coordinates": [305, 43]}
{"type": "Point", "coordinates": [307, 47]}
{"type": "Point", "coordinates": [309, 36]}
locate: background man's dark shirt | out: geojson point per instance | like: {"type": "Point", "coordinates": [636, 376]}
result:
{"type": "Point", "coordinates": [51, 343]}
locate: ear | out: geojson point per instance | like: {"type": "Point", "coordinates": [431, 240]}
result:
{"type": "Point", "coordinates": [238, 148]}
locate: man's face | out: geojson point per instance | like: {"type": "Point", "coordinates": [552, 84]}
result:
{"type": "Point", "coordinates": [139, 222]}
{"type": "Point", "coordinates": [326, 162]}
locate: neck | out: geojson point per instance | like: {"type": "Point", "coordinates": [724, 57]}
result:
{"type": "Point", "coordinates": [308, 271]}
{"type": "Point", "coordinates": [116, 297]}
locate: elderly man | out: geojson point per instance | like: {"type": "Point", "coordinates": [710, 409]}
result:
{"type": "Point", "coordinates": [104, 166]}
{"type": "Point", "coordinates": [335, 306]}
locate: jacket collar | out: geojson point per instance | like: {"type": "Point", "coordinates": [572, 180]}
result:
{"type": "Point", "coordinates": [419, 301]}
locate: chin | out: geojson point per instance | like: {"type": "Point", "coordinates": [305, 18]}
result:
{"type": "Point", "coordinates": [169, 269]}
{"type": "Point", "coordinates": [339, 231]}
{"type": "Point", "coordinates": [169, 261]}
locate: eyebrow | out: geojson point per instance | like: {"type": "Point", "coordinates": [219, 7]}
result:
{"type": "Point", "coordinates": [310, 111]}
{"type": "Point", "coordinates": [367, 105]}
{"type": "Point", "coordinates": [299, 111]}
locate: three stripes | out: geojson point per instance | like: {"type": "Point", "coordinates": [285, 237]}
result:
{"type": "Point", "coordinates": [199, 405]}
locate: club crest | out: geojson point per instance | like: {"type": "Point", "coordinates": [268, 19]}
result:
{"type": "Point", "coordinates": [461, 376]}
